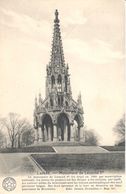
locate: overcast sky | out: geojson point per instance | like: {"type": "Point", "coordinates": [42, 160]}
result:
{"type": "Point", "coordinates": [92, 35]}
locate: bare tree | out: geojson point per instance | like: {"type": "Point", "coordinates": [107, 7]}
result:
{"type": "Point", "coordinates": [119, 129]}
{"type": "Point", "coordinates": [91, 138]}
{"type": "Point", "coordinates": [2, 139]}
{"type": "Point", "coordinates": [15, 126]}
{"type": "Point", "coordinates": [2, 136]}
{"type": "Point", "coordinates": [23, 126]}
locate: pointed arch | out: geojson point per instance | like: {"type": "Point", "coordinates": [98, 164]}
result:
{"type": "Point", "coordinates": [51, 102]}
{"type": "Point", "coordinates": [52, 81]}
{"type": "Point", "coordinates": [60, 100]}
{"type": "Point", "coordinates": [47, 127]}
{"type": "Point", "coordinates": [63, 127]}
{"type": "Point", "coordinates": [59, 82]}
{"type": "Point", "coordinates": [65, 83]}
{"type": "Point", "coordinates": [77, 120]}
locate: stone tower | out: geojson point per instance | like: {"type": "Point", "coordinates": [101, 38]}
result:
{"type": "Point", "coordinates": [58, 117]}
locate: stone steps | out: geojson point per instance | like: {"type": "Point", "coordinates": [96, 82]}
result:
{"type": "Point", "coordinates": [59, 143]}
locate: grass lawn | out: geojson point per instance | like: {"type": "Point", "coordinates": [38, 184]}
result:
{"type": "Point", "coordinates": [28, 149]}
{"type": "Point", "coordinates": [114, 148]}
{"type": "Point", "coordinates": [81, 162]}
{"type": "Point", "coordinates": [16, 164]}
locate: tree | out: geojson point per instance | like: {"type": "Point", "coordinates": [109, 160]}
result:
{"type": "Point", "coordinates": [91, 138]}
{"type": "Point", "coordinates": [25, 126]}
{"type": "Point", "coordinates": [119, 129]}
{"type": "Point", "coordinates": [15, 127]}
{"type": "Point", "coordinates": [2, 139]}
{"type": "Point", "coordinates": [28, 137]}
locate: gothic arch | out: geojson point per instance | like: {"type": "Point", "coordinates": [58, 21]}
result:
{"type": "Point", "coordinates": [62, 112]}
{"type": "Point", "coordinates": [47, 127]}
{"type": "Point", "coordinates": [77, 123]}
{"type": "Point", "coordinates": [52, 81]}
{"type": "Point", "coordinates": [35, 122]}
{"type": "Point", "coordinates": [60, 100]}
{"type": "Point", "coordinates": [75, 130]}
{"type": "Point", "coordinates": [63, 127]}
{"type": "Point", "coordinates": [65, 83]}
{"type": "Point", "coordinates": [51, 102]}
{"type": "Point", "coordinates": [59, 82]}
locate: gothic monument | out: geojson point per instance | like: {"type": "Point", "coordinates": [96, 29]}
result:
{"type": "Point", "coordinates": [58, 117]}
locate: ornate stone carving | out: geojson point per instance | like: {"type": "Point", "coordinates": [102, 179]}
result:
{"type": "Point", "coordinates": [58, 102]}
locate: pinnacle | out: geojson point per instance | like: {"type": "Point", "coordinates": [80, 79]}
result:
{"type": "Point", "coordinates": [57, 56]}
{"type": "Point", "coordinates": [56, 16]}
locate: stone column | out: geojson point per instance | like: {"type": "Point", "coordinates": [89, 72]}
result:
{"type": "Point", "coordinates": [45, 133]}
{"type": "Point", "coordinates": [43, 137]}
{"type": "Point", "coordinates": [54, 133]}
{"type": "Point", "coordinates": [72, 133]}
{"type": "Point", "coordinates": [36, 136]}
{"type": "Point", "coordinates": [78, 133]}
{"type": "Point", "coordinates": [66, 133]}
{"type": "Point", "coordinates": [40, 134]}
{"type": "Point", "coordinates": [49, 133]}
{"type": "Point", "coordinates": [84, 136]}
{"type": "Point", "coordinates": [81, 134]}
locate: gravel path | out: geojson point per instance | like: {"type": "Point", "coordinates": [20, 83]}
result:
{"type": "Point", "coordinates": [79, 149]}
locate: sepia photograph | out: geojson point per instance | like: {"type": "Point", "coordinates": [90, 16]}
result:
{"type": "Point", "coordinates": [62, 111]}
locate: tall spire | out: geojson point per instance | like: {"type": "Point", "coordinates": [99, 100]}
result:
{"type": "Point", "coordinates": [57, 56]}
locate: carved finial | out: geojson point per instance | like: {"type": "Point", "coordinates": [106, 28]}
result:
{"type": "Point", "coordinates": [40, 99]}
{"type": "Point", "coordinates": [56, 16]}
{"type": "Point", "coordinates": [80, 102]}
{"type": "Point", "coordinates": [67, 66]}
{"type": "Point", "coordinates": [79, 99]}
{"type": "Point", "coordinates": [35, 102]}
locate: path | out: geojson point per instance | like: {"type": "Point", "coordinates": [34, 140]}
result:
{"type": "Point", "coordinates": [79, 149]}
{"type": "Point", "coordinates": [16, 163]}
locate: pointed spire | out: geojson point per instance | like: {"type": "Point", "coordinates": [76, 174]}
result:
{"type": "Point", "coordinates": [56, 16]}
{"type": "Point", "coordinates": [36, 102]}
{"type": "Point", "coordinates": [70, 91]}
{"type": "Point", "coordinates": [79, 99]}
{"type": "Point", "coordinates": [80, 102]}
{"type": "Point", "coordinates": [57, 56]}
{"type": "Point", "coordinates": [40, 99]}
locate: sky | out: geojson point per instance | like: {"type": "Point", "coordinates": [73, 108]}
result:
{"type": "Point", "coordinates": [93, 43]}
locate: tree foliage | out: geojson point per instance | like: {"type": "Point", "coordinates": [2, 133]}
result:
{"type": "Point", "coordinates": [119, 129]}
{"type": "Point", "coordinates": [2, 136]}
{"type": "Point", "coordinates": [91, 138]}
{"type": "Point", "coordinates": [28, 137]}
{"type": "Point", "coordinates": [2, 139]}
